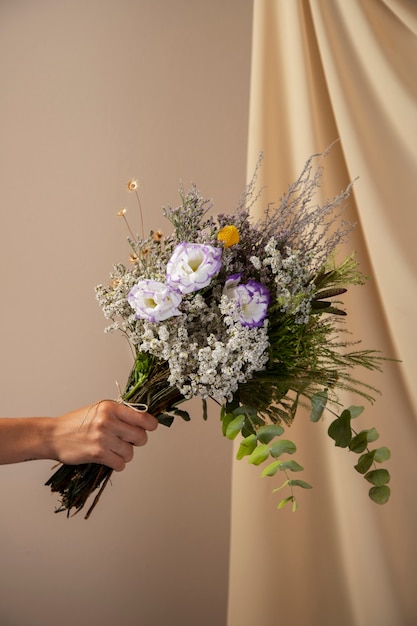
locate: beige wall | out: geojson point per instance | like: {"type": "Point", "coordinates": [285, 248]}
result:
{"type": "Point", "coordinates": [94, 92]}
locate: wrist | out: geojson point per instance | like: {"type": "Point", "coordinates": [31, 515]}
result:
{"type": "Point", "coordinates": [41, 444]}
{"type": "Point", "coordinates": [26, 438]}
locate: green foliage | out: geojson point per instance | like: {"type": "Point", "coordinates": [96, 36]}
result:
{"type": "Point", "coordinates": [318, 404]}
{"type": "Point", "coordinates": [262, 441]}
{"type": "Point", "coordinates": [380, 495]}
{"type": "Point", "coordinates": [345, 437]}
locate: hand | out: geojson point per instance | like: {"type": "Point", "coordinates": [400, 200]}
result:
{"type": "Point", "coordinates": [104, 433]}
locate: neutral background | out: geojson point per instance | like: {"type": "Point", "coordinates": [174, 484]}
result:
{"type": "Point", "coordinates": [94, 92]}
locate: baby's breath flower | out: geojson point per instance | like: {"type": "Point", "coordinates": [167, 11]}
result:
{"type": "Point", "coordinates": [256, 262]}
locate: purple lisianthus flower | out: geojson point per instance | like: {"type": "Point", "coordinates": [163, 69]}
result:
{"type": "Point", "coordinates": [192, 266]}
{"type": "Point", "coordinates": [154, 301]}
{"type": "Point", "coordinates": [252, 299]}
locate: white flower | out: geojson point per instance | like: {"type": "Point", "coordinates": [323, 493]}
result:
{"type": "Point", "coordinates": [252, 299]}
{"type": "Point", "coordinates": [256, 262]}
{"type": "Point", "coordinates": [192, 266]}
{"type": "Point", "coordinates": [154, 301]}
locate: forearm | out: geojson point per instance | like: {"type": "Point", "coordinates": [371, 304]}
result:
{"type": "Point", "coordinates": [105, 432]}
{"type": "Point", "coordinates": [26, 438]}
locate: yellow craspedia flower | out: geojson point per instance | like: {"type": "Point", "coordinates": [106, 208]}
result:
{"type": "Point", "coordinates": [229, 235]}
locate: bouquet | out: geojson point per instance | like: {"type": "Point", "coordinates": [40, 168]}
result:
{"type": "Point", "coordinates": [246, 313]}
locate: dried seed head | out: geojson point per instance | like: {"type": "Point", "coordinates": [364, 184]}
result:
{"type": "Point", "coordinates": [132, 185]}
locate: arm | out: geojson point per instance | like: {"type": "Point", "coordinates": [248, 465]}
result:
{"type": "Point", "coordinates": [104, 433]}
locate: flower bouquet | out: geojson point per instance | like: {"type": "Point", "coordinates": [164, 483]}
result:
{"type": "Point", "coordinates": [246, 313]}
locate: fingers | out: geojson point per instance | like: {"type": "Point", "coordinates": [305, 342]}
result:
{"type": "Point", "coordinates": [118, 429]}
{"type": "Point", "coordinates": [134, 417]}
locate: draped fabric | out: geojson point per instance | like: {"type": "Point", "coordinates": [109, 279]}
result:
{"type": "Point", "coordinates": [340, 71]}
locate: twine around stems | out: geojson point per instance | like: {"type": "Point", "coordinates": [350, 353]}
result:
{"type": "Point", "coordinates": [139, 407]}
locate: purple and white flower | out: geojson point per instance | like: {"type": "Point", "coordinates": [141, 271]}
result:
{"type": "Point", "coordinates": [252, 299]}
{"type": "Point", "coordinates": [154, 301]}
{"type": "Point", "coordinates": [192, 266]}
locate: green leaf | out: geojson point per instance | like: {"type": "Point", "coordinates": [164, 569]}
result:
{"type": "Point", "coordinates": [165, 419]}
{"type": "Point", "coordinates": [299, 483]}
{"type": "Point", "coordinates": [382, 454]}
{"type": "Point", "coordinates": [334, 310]}
{"type": "Point", "coordinates": [340, 430]}
{"type": "Point", "coordinates": [380, 495]}
{"type": "Point", "coordinates": [365, 462]}
{"type": "Point", "coordinates": [204, 403]}
{"type": "Point", "coordinates": [259, 455]}
{"type": "Point", "coordinates": [285, 501]}
{"type": "Point", "coordinates": [355, 411]}
{"type": "Point", "coordinates": [359, 443]}
{"type": "Point", "coordinates": [378, 477]}
{"type": "Point", "coordinates": [184, 414]}
{"type": "Point", "coordinates": [330, 293]}
{"type": "Point", "coordinates": [249, 411]}
{"type": "Point", "coordinates": [271, 469]}
{"type": "Point", "coordinates": [283, 446]}
{"type": "Point", "coordinates": [290, 465]}
{"type": "Point", "coordinates": [372, 435]}
{"type": "Point", "coordinates": [247, 446]}
{"type": "Point", "coordinates": [235, 426]}
{"type": "Point", "coordinates": [318, 403]}
{"type": "Point", "coordinates": [226, 419]}
{"type": "Point", "coordinates": [284, 484]}
{"type": "Point", "coordinates": [265, 434]}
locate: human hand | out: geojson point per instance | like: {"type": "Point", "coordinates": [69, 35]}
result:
{"type": "Point", "coordinates": [104, 433]}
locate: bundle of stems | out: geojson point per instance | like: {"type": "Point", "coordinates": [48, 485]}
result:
{"type": "Point", "coordinates": [147, 385]}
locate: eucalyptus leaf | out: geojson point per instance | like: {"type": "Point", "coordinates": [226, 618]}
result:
{"type": "Point", "coordinates": [284, 502]}
{"type": "Point", "coordinates": [378, 477]}
{"type": "Point", "coordinates": [247, 446]}
{"type": "Point", "coordinates": [382, 454]}
{"type": "Point", "coordinates": [283, 446]}
{"type": "Point", "coordinates": [226, 419]}
{"type": "Point", "coordinates": [355, 411]}
{"type": "Point", "coordinates": [265, 434]}
{"type": "Point", "coordinates": [340, 430]}
{"type": "Point", "coordinates": [299, 483]}
{"type": "Point", "coordinates": [372, 434]}
{"type": "Point", "coordinates": [271, 469]}
{"type": "Point", "coordinates": [290, 465]}
{"type": "Point", "coordinates": [365, 462]}
{"type": "Point", "coordinates": [318, 403]}
{"type": "Point", "coordinates": [284, 484]}
{"type": "Point", "coordinates": [259, 455]}
{"type": "Point", "coordinates": [234, 426]}
{"type": "Point", "coordinates": [380, 495]}
{"type": "Point", "coordinates": [359, 443]}
{"type": "Point", "coordinates": [249, 411]}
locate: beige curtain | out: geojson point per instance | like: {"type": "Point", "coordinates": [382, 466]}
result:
{"type": "Point", "coordinates": [324, 70]}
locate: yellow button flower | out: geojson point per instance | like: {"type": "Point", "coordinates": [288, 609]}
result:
{"type": "Point", "coordinates": [229, 235]}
